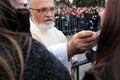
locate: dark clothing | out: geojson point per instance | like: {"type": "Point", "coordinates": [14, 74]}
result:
{"type": "Point", "coordinates": [41, 64]}
{"type": "Point", "coordinates": [100, 73]}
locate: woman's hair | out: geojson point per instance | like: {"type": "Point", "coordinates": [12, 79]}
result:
{"type": "Point", "coordinates": [8, 16]}
{"type": "Point", "coordinates": [11, 55]}
{"type": "Point", "coordinates": [108, 52]}
{"type": "Point", "coordinates": [110, 35]}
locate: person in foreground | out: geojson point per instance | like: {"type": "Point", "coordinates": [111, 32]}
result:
{"type": "Point", "coordinates": [21, 57]}
{"type": "Point", "coordinates": [106, 64]}
{"type": "Point", "coordinates": [43, 30]}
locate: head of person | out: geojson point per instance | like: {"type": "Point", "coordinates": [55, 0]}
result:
{"type": "Point", "coordinates": [11, 58]}
{"type": "Point", "coordinates": [14, 16]}
{"type": "Point", "coordinates": [108, 52]}
{"type": "Point", "coordinates": [42, 12]}
{"type": "Point", "coordinates": [8, 16]}
{"type": "Point", "coordinates": [16, 3]}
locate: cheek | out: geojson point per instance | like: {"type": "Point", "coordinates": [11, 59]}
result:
{"type": "Point", "coordinates": [53, 16]}
{"type": "Point", "coordinates": [38, 18]}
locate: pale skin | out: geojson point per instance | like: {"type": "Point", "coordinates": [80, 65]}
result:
{"type": "Point", "coordinates": [46, 18]}
{"type": "Point", "coordinates": [16, 3]}
{"type": "Point", "coordinates": [80, 42]}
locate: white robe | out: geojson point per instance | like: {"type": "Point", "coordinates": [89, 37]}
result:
{"type": "Point", "coordinates": [54, 40]}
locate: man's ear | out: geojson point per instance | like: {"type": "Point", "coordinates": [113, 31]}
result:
{"type": "Point", "coordinates": [31, 14]}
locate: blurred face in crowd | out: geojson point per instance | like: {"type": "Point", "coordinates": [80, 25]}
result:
{"type": "Point", "coordinates": [42, 11]}
{"type": "Point", "coordinates": [16, 3]}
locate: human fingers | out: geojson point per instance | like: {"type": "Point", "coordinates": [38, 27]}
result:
{"type": "Point", "coordinates": [83, 46]}
{"type": "Point", "coordinates": [83, 34]}
{"type": "Point", "coordinates": [79, 44]}
{"type": "Point", "coordinates": [90, 39]}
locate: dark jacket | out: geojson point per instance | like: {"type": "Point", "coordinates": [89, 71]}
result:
{"type": "Point", "coordinates": [99, 73]}
{"type": "Point", "coordinates": [41, 64]}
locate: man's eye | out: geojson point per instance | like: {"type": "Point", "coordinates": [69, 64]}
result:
{"type": "Point", "coordinates": [42, 10]}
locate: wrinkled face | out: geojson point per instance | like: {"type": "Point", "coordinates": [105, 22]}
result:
{"type": "Point", "coordinates": [42, 11]}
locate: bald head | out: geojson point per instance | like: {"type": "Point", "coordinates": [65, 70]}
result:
{"type": "Point", "coordinates": [31, 3]}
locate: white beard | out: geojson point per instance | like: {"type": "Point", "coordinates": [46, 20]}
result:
{"type": "Point", "coordinates": [45, 27]}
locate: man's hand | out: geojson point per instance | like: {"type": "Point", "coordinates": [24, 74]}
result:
{"type": "Point", "coordinates": [81, 42]}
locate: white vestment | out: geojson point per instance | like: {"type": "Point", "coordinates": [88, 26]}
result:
{"type": "Point", "coordinates": [54, 40]}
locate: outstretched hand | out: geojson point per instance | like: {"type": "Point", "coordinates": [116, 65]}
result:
{"type": "Point", "coordinates": [81, 42]}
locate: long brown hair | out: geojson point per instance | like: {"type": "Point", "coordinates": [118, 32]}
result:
{"type": "Point", "coordinates": [11, 55]}
{"type": "Point", "coordinates": [108, 52]}
{"type": "Point", "coordinates": [110, 36]}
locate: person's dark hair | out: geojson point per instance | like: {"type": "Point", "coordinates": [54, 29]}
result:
{"type": "Point", "coordinates": [8, 18]}
{"type": "Point", "coordinates": [11, 55]}
{"type": "Point", "coordinates": [110, 35]}
{"type": "Point", "coordinates": [108, 52]}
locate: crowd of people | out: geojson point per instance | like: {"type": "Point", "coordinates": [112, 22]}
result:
{"type": "Point", "coordinates": [82, 18]}
{"type": "Point", "coordinates": [31, 48]}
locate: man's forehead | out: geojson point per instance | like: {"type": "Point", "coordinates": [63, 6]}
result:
{"type": "Point", "coordinates": [42, 3]}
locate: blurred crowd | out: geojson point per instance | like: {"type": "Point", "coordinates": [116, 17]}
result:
{"type": "Point", "coordinates": [74, 19]}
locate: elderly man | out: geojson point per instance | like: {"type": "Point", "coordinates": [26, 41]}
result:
{"type": "Point", "coordinates": [43, 30]}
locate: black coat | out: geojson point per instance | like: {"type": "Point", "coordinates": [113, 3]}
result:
{"type": "Point", "coordinates": [41, 64]}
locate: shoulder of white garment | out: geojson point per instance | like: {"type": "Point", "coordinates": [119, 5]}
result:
{"type": "Point", "coordinates": [58, 49]}
{"type": "Point", "coordinates": [60, 52]}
